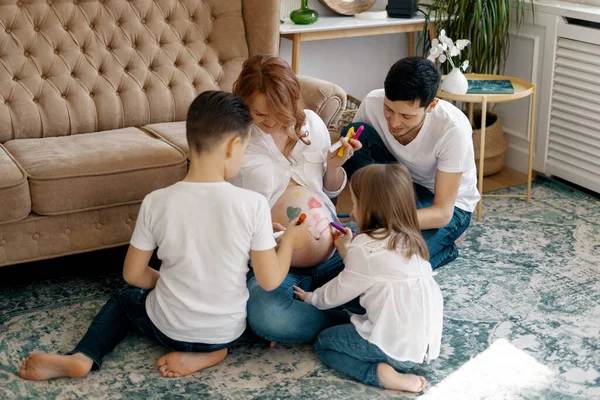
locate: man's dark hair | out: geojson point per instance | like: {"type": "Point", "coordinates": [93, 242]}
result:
{"type": "Point", "coordinates": [412, 79]}
{"type": "Point", "coordinates": [212, 116]}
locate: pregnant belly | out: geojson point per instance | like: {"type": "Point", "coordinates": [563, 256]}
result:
{"type": "Point", "coordinates": [294, 201]}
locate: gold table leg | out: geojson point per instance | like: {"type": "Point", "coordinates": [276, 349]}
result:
{"type": "Point", "coordinates": [531, 145]}
{"type": "Point", "coordinates": [481, 155]}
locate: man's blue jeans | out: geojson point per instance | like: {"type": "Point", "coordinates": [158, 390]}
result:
{"type": "Point", "coordinates": [125, 312]}
{"type": "Point", "coordinates": [278, 316]}
{"type": "Point", "coordinates": [343, 349]}
{"type": "Point", "coordinates": [440, 242]}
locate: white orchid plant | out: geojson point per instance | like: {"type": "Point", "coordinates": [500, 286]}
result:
{"type": "Point", "coordinates": [443, 48]}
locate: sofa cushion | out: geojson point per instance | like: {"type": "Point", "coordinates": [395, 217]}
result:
{"type": "Point", "coordinates": [96, 170]}
{"type": "Point", "coordinates": [172, 132]}
{"type": "Point", "coordinates": [15, 202]}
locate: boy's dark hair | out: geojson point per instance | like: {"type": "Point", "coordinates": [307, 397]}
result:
{"type": "Point", "coordinates": [213, 115]}
{"type": "Point", "coordinates": [412, 79]}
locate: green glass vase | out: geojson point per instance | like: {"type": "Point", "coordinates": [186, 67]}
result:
{"type": "Point", "coordinates": [304, 16]}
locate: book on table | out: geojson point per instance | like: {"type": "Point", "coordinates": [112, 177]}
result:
{"type": "Point", "coordinates": [490, 86]}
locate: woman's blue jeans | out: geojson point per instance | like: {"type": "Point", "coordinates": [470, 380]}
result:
{"type": "Point", "coordinates": [278, 316]}
{"type": "Point", "coordinates": [440, 242]}
{"type": "Point", "coordinates": [125, 312]}
{"type": "Point", "coordinates": [343, 349]}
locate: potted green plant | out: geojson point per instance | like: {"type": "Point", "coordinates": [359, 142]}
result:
{"type": "Point", "coordinates": [487, 25]}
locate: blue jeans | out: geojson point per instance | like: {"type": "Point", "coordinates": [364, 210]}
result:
{"type": "Point", "coordinates": [343, 349]}
{"type": "Point", "coordinates": [440, 241]}
{"type": "Point", "coordinates": [278, 316]}
{"type": "Point", "coordinates": [125, 312]}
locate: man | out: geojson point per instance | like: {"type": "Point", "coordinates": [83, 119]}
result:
{"type": "Point", "coordinates": [405, 122]}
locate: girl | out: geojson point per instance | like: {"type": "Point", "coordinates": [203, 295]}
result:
{"type": "Point", "coordinates": [289, 163]}
{"type": "Point", "coordinates": [386, 266]}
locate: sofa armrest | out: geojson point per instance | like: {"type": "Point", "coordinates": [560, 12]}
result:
{"type": "Point", "coordinates": [327, 99]}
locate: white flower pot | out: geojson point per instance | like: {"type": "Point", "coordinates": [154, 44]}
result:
{"type": "Point", "coordinates": [455, 82]}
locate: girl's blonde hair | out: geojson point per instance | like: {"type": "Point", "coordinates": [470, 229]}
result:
{"type": "Point", "coordinates": [274, 78]}
{"type": "Point", "coordinates": [385, 202]}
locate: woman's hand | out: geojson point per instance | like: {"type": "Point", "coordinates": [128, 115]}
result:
{"type": "Point", "coordinates": [302, 295]}
{"type": "Point", "coordinates": [342, 240]}
{"type": "Point", "coordinates": [349, 146]}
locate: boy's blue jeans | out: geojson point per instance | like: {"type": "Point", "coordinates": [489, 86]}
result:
{"type": "Point", "coordinates": [278, 316]}
{"type": "Point", "coordinates": [343, 349]}
{"type": "Point", "coordinates": [440, 242]}
{"type": "Point", "coordinates": [125, 312]}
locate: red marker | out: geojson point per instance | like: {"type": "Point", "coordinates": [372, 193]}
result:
{"type": "Point", "coordinates": [301, 219]}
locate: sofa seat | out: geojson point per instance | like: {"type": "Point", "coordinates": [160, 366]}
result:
{"type": "Point", "coordinates": [172, 132]}
{"type": "Point", "coordinates": [96, 170]}
{"type": "Point", "coordinates": [15, 201]}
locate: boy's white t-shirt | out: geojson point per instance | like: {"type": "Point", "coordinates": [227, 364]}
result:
{"type": "Point", "coordinates": [204, 233]}
{"type": "Point", "coordinates": [444, 143]}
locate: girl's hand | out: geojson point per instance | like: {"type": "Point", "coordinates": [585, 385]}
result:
{"type": "Point", "coordinates": [349, 147]}
{"type": "Point", "coordinates": [342, 240]}
{"type": "Point", "coordinates": [302, 295]}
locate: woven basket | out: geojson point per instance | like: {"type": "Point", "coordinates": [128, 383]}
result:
{"type": "Point", "coordinates": [495, 143]}
{"type": "Point", "coordinates": [346, 118]}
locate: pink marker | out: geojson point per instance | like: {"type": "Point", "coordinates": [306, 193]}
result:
{"type": "Point", "coordinates": [340, 228]}
{"type": "Point", "coordinates": [358, 132]}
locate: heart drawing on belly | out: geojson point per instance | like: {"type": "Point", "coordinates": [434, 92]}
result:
{"type": "Point", "coordinates": [293, 212]}
{"type": "Point", "coordinates": [314, 203]}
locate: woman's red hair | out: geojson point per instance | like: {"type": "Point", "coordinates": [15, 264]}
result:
{"type": "Point", "coordinates": [274, 78]}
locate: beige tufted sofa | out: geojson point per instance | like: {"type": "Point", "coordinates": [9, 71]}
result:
{"type": "Point", "coordinates": [90, 95]}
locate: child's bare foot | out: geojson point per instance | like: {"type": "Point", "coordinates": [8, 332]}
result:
{"type": "Point", "coordinates": [272, 344]}
{"type": "Point", "coordinates": [176, 364]}
{"type": "Point", "coordinates": [40, 367]}
{"type": "Point", "coordinates": [394, 380]}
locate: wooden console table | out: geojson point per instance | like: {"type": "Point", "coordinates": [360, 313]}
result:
{"type": "Point", "coordinates": [347, 27]}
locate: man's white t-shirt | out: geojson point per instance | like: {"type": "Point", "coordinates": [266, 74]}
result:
{"type": "Point", "coordinates": [444, 143]}
{"type": "Point", "coordinates": [204, 233]}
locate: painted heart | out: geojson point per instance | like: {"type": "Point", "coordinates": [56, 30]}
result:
{"type": "Point", "coordinates": [293, 213]}
{"type": "Point", "coordinates": [314, 203]}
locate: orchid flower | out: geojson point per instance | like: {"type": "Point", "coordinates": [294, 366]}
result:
{"type": "Point", "coordinates": [444, 49]}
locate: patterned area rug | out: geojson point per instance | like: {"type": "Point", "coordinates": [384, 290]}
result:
{"type": "Point", "coordinates": [522, 320]}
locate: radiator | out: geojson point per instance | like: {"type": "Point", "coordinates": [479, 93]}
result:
{"type": "Point", "coordinates": [574, 135]}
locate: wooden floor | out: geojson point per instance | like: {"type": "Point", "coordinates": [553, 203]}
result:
{"type": "Point", "coordinates": [503, 179]}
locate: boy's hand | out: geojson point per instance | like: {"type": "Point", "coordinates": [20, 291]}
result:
{"type": "Point", "coordinates": [277, 227]}
{"type": "Point", "coordinates": [302, 295]}
{"type": "Point", "coordinates": [341, 240]}
{"type": "Point", "coordinates": [298, 234]}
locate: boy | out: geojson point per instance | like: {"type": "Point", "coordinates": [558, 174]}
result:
{"type": "Point", "coordinates": [205, 229]}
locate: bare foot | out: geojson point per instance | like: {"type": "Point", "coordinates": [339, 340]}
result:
{"type": "Point", "coordinates": [176, 364]}
{"type": "Point", "coordinates": [40, 367]}
{"type": "Point", "coordinates": [272, 344]}
{"type": "Point", "coordinates": [394, 380]}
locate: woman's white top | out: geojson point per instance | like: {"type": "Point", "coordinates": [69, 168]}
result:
{"type": "Point", "coordinates": [404, 303]}
{"type": "Point", "coordinates": [265, 169]}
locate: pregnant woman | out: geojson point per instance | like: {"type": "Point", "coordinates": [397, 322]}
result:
{"type": "Point", "coordinates": [288, 161]}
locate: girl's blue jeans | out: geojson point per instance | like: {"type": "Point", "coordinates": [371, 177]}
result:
{"type": "Point", "coordinates": [343, 349]}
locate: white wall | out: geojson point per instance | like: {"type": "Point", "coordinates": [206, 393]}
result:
{"type": "Point", "coordinates": [358, 65]}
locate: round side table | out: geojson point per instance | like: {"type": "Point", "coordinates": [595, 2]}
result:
{"type": "Point", "coordinates": [522, 89]}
